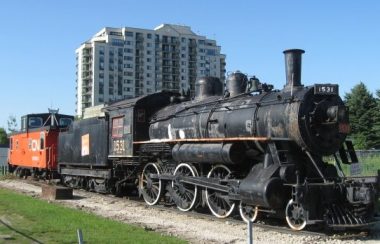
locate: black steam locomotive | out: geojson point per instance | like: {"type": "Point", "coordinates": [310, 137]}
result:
{"type": "Point", "coordinates": [249, 147]}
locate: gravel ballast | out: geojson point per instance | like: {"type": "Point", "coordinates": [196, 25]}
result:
{"type": "Point", "coordinates": [193, 229]}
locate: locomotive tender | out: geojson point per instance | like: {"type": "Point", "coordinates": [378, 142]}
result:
{"type": "Point", "coordinates": [250, 148]}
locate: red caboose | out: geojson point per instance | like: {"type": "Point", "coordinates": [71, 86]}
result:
{"type": "Point", "coordinates": [33, 150]}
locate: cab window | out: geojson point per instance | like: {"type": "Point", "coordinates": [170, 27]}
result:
{"type": "Point", "coordinates": [117, 127]}
{"type": "Point", "coordinates": [65, 122]}
{"type": "Point", "coordinates": [34, 122]}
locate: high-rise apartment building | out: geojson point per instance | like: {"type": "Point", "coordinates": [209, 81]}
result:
{"type": "Point", "coordinates": [119, 63]}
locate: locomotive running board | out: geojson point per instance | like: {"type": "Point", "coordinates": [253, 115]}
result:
{"type": "Point", "coordinates": [224, 139]}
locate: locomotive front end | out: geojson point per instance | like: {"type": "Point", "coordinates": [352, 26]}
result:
{"type": "Point", "coordinates": [315, 117]}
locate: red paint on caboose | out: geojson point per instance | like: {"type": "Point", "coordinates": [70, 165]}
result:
{"type": "Point", "coordinates": [34, 148]}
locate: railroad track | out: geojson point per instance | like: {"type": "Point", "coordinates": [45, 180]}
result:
{"type": "Point", "coordinates": [267, 224]}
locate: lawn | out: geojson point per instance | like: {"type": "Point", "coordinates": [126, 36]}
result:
{"type": "Point", "coordinates": [369, 165]}
{"type": "Point", "coordinates": [24, 219]}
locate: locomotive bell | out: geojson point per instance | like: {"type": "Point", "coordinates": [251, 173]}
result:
{"type": "Point", "coordinates": [293, 65]}
{"type": "Point", "coordinates": [237, 83]}
{"type": "Point", "coordinates": [207, 87]}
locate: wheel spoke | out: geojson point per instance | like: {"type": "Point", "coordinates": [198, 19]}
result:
{"type": "Point", "coordinates": [220, 206]}
{"type": "Point", "coordinates": [295, 216]}
{"type": "Point", "coordinates": [248, 212]}
{"type": "Point", "coordinates": [185, 195]}
{"type": "Point", "coordinates": [150, 188]}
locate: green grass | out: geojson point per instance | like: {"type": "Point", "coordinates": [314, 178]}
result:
{"type": "Point", "coordinates": [370, 165]}
{"type": "Point", "coordinates": [25, 219]}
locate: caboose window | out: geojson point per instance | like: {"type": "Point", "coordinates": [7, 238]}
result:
{"type": "Point", "coordinates": [65, 121]}
{"type": "Point", "coordinates": [117, 127]}
{"type": "Point", "coordinates": [42, 141]}
{"type": "Point", "coordinates": [23, 123]}
{"type": "Point", "coordinates": [34, 122]}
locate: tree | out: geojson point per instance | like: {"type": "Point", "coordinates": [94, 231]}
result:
{"type": "Point", "coordinates": [12, 124]}
{"type": "Point", "coordinates": [362, 107]}
{"type": "Point", "coordinates": [3, 136]}
{"type": "Point", "coordinates": [376, 125]}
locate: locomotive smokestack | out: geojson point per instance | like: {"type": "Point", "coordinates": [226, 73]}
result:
{"type": "Point", "coordinates": [293, 63]}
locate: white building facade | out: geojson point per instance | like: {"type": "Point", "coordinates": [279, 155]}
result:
{"type": "Point", "coordinates": [120, 63]}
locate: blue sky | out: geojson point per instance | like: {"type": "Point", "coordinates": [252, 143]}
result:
{"type": "Point", "coordinates": [38, 41]}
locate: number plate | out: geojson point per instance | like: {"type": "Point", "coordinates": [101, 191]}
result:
{"type": "Point", "coordinates": [119, 146]}
{"type": "Point", "coordinates": [326, 89]}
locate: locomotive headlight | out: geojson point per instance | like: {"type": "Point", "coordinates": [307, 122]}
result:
{"type": "Point", "coordinates": [337, 114]}
{"type": "Point", "coordinates": [332, 113]}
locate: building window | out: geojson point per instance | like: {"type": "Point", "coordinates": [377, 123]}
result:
{"type": "Point", "coordinates": [115, 33]}
{"type": "Point", "coordinates": [211, 52]}
{"type": "Point", "coordinates": [149, 36]}
{"type": "Point", "coordinates": [101, 88]}
{"type": "Point", "coordinates": [183, 39]}
{"type": "Point", "coordinates": [183, 48]}
{"type": "Point", "coordinates": [117, 127]}
{"type": "Point", "coordinates": [129, 33]}
{"type": "Point", "coordinates": [148, 52]}
{"type": "Point", "coordinates": [148, 67]}
{"type": "Point", "coordinates": [117, 42]}
{"type": "Point", "coordinates": [148, 44]}
{"type": "Point", "coordinates": [202, 42]}
{"type": "Point", "coordinates": [128, 73]}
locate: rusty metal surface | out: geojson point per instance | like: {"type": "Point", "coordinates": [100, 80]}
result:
{"type": "Point", "coordinates": [53, 192]}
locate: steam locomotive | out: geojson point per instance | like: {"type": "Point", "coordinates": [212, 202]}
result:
{"type": "Point", "coordinates": [249, 148]}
